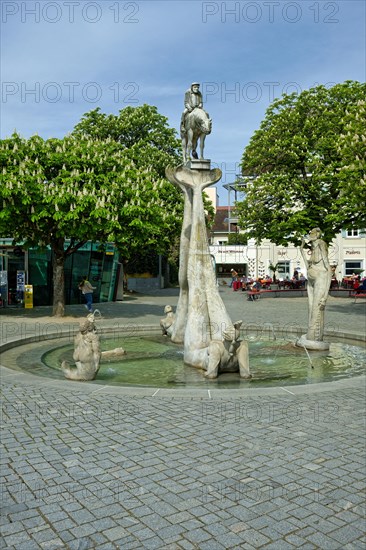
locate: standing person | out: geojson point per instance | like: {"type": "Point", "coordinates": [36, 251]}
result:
{"type": "Point", "coordinates": [87, 289]}
{"type": "Point", "coordinates": [234, 275]}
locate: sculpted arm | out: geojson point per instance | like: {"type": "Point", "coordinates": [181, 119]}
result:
{"type": "Point", "coordinates": [187, 101]}
{"type": "Point", "coordinates": [324, 253]}
{"type": "Point", "coordinates": [303, 253]}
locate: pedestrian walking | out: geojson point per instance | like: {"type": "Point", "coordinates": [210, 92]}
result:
{"type": "Point", "coordinates": [87, 290]}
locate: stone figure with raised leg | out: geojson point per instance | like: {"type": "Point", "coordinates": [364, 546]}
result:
{"type": "Point", "coordinates": [319, 275]}
{"type": "Point", "coordinates": [229, 355]}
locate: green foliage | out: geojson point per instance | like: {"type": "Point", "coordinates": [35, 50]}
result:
{"type": "Point", "coordinates": [305, 166]}
{"type": "Point", "coordinates": [83, 189]}
{"type": "Point", "coordinates": [237, 238]}
{"type": "Point", "coordinates": [105, 182]}
{"type": "Point", "coordinates": [140, 130]}
{"type": "Point", "coordinates": [145, 262]}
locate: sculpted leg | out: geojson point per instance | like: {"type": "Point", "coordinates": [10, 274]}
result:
{"type": "Point", "coordinates": [215, 353]}
{"type": "Point", "coordinates": [189, 144]}
{"type": "Point", "coordinates": [202, 145]}
{"type": "Point", "coordinates": [184, 148]}
{"type": "Point", "coordinates": [242, 354]}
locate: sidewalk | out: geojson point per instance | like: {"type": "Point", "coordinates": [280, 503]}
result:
{"type": "Point", "coordinates": [341, 312]}
{"type": "Point", "coordinates": [86, 467]}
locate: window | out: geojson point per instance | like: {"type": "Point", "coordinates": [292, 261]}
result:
{"type": "Point", "coordinates": [352, 232]}
{"type": "Point", "coordinates": [283, 269]}
{"type": "Point", "coordinates": [352, 267]}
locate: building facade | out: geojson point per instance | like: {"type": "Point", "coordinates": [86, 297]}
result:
{"type": "Point", "coordinates": [347, 252]}
{"type": "Point", "coordinates": [19, 267]}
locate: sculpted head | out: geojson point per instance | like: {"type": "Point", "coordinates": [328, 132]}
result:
{"type": "Point", "coordinates": [315, 234]}
{"type": "Point", "coordinates": [86, 325]}
{"type": "Point", "coordinates": [195, 87]}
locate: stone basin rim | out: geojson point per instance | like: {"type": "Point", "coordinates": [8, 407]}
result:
{"type": "Point", "coordinates": [192, 392]}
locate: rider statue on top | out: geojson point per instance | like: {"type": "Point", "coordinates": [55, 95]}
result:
{"type": "Point", "coordinates": [192, 129]}
{"type": "Point", "coordinates": [192, 99]}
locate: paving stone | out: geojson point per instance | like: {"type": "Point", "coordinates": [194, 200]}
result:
{"type": "Point", "coordinates": [17, 539]}
{"type": "Point", "coordinates": [115, 533]}
{"type": "Point", "coordinates": [256, 538]}
{"type": "Point", "coordinates": [196, 536]}
{"type": "Point", "coordinates": [346, 534]}
{"type": "Point", "coordinates": [11, 528]}
{"type": "Point", "coordinates": [181, 472]}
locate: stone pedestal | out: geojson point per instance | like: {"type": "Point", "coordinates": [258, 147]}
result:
{"type": "Point", "coordinates": [201, 316]}
{"type": "Point", "coordinates": [198, 164]}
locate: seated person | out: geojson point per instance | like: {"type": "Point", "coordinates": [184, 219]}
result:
{"type": "Point", "coordinates": [362, 288]}
{"type": "Point", "coordinates": [356, 283]}
{"type": "Point", "coordinates": [302, 280]}
{"type": "Point", "coordinates": [244, 282]}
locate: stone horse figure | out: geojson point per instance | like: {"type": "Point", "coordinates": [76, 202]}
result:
{"type": "Point", "coordinates": [197, 125]}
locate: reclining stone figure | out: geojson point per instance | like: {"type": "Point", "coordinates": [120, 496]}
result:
{"type": "Point", "coordinates": [229, 355]}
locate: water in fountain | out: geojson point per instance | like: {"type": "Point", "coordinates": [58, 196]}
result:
{"type": "Point", "coordinates": [156, 361]}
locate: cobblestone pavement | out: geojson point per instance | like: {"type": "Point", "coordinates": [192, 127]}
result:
{"type": "Point", "coordinates": [93, 467]}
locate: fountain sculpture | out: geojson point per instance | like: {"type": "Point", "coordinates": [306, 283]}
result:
{"type": "Point", "coordinates": [211, 341]}
{"type": "Point", "coordinates": [87, 354]}
{"type": "Point", "coordinates": [166, 324]}
{"type": "Point", "coordinates": [319, 273]}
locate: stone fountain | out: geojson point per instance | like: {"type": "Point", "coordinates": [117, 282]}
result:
{"type": "Point", "coordinates": [211, 340]}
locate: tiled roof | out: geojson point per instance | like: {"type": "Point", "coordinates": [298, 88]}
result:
{"type": "Point", "coordinates": [221, 226]}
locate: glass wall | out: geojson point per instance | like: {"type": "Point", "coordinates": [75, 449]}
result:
{"type": "Point", "coordinates": [34, 267]}
{"type": "Point", "coordinates": [99, 264]}
{"type": "Point", "coordinates": [40, 276]}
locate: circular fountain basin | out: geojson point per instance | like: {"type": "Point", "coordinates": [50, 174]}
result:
{"type": "Point", "coordinates": [153, 360]}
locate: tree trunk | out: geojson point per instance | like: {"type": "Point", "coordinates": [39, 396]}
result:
{"type": "Point", "coordinates": [58, 278]}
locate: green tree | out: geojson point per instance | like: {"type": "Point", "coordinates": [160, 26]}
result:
{"type": "Point", "coordinates": [145, 136]}
{"type": "Point", "coordinates": [237, 238]}
{"type": "Point", "coordinates": [305, 166]}
{"type": "Point", "coordinates": [141, 130]}
{"type": "Point", "coordinates": [273, 268]}
{"type": "Point", "coordinates": [82, 188]}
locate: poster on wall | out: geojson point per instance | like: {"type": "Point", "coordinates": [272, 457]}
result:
{"type": "Point", "coordinates": [20, 280]}
{"type": "Point", "coordinates": [3, 278]}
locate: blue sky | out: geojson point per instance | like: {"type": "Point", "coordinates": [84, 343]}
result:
{"type": "Point", "coordinates": [60, 59]}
